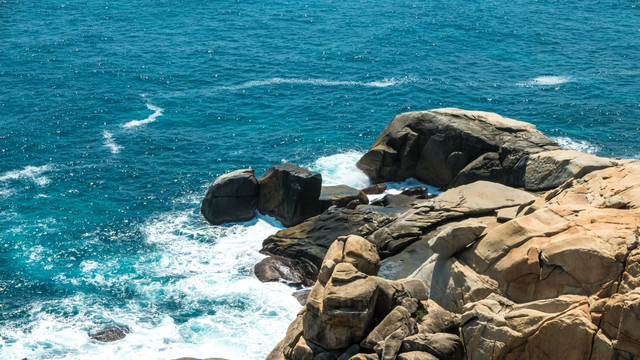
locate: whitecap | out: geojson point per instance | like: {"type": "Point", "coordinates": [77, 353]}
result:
{"type": "Point", "coordinates": [340, 169]}
{"type": "Point", "coordinates": [157, 112]}
{"type": "Point", "coordinates": [207, 271]}
{"type": "Point", "coordinates": [579, 145]}
{"type": "Point", "coordinates": [546, 81]}
{"type": "Point", "coordinates": [110, 142]}
{"type": "Point", "coordinates": [383, 83]}
{"type": "Point", "coordinates": [31, 173]}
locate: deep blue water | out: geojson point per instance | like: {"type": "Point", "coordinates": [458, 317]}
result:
{"type": "Point", "coordinates": [115, 116]}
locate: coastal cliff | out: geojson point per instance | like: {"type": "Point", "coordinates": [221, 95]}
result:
{"type": "Point", "coordinates": [529, 252]}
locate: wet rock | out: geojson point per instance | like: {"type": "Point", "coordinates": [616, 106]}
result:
{"type": "Point", "coordinates": [307, 243]}
{"type": "Point", "coordinates": [231, 197]}
{"type": "Point", "coordinates": [112, 333]}
{"type": "Point", "coordinates": [289, 193]}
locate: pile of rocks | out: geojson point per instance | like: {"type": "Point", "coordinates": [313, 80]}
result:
{"type": "Point", "coordinates": [287, 192]}
{"type": "Point", "coordinates": [518, 273]}
{"type": "Point", "coordinates": [353, 314]}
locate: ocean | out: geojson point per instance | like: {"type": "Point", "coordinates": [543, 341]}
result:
{"type": "Point", "coordinates": [115, 116]}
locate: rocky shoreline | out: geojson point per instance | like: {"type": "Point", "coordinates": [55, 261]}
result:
{"type": "Point", "coordinates": [529, 252]}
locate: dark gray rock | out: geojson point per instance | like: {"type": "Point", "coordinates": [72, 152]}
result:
{"type": "Point", "coordinates": [112, 333]}
{"type": "Point", "coordinates": [231, 197]}
{"type": "Point", "coordinates": [445, 146]}
{"type": "Point", "coordinates": [279, 268]}
{"type": "Point", "coordinates": [290, 193]}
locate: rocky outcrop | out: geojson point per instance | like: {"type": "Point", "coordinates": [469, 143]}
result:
{"type": "Point", "coordinates": [353, 314]}
{"type": "Point", "coordinates": [289, 193]}
{"type": "Point", "coordinates": [307, 243]}
{"type": "Point", "coordinates": [451, 147]}
{"type": "Point", "coordinates": [231, 197]}
{"type": "Point", "coordinates": [519, 275]}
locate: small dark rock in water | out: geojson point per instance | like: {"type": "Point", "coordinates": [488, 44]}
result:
{"type": "Point", "coordinates": [112, 333]}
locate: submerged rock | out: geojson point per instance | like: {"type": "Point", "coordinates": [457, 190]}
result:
{"type": "Point", "coordinates": [112, 333]}
{"type": "Point", "coordinates": [231, 197]}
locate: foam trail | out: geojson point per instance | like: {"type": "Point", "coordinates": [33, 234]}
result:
{"type": "Point", "coordinates": [386, 82]}
{"type": "Point", "coordinates": [110, 142]}
{"type": "Point", "coordinates": [546, 81]}
{"type": "Point", "coordinates": [340, 169]}
{"type": "Point", "coordinates": [157, 112]}
{"type": "Point", "coordinates": [32, 173]}
{"type": "Point", "coordinates": [579, 145]}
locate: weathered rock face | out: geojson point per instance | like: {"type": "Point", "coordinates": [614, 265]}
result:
{"type": "Point", "coordinates": [342, 196]}
{"type": "Point", "coordinates": [452, 147]}
{"type": "Point", "coordinates": [352, 314]}
{"type": "Point", "coordinates": [306, 244]}
{"type": "Point", "coordinates": [477, 199]}
{"type": "Point", "coordinates": [554, 276]}
{"type": "Point", "coordinates": [559, 280]}
{"type": "Point", "coordinates": [231, 197]}
{"type": "Point", "coordinates": [289, 193]}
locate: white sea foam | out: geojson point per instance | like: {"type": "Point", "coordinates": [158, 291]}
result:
{"type": "Point", "coordinates": [396, 187]}
{"type": "Point", "coordinates": [546, 81]}
{"type": "Point", "coordinates": [579, 145]}
{"type": "Point", "coordinates": [110, 142]}
{"type": "Point", "coordinates": [30, 173]}
{"type": "Point", "coordinates": [157, 112]}
{"type": "Point", "coordinates": [192, 268]}
{"type": "Point", "coordinates": [340, 169]}
{"type": "Point", "coordinates": [386, 82]}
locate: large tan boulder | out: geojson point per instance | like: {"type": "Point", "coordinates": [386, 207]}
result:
{"type": "Point", "coordinates": [339, 314]}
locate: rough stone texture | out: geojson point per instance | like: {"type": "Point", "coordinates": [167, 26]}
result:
{"type": "Point", "coordinates": [279, 268]}
{"type": "Point", "coordinates": [441, 345]}
{"type": "Point", "coordinates": [231, 197]}
{"type": "Point", "coordinates": [306, 244]}
{"type": "Point", "coordinates": [416, 355]}
{"type": "Point", "coordinates": [398, 319]}
{"type": "Point", "coordinates": [456, 237]}
{"type": "Point", "coordinates": [477, 199]}
{"type": "Point", "coordinates": [289, 193]}
{"type": "Point", "coordinates": [375, 189]}
{"type": "Point", "coordinates": [112, 333]}
{"type": "Point", "coordinates": [341, 196]}
{"type": "Point", "coordinates": [549, 277]}
{"type": "Point", "coordinates": [349, 305]}
{"type": "Point", "coordinates": [550, 169]}
{"type": "Point", "coordinates": [451, 147]}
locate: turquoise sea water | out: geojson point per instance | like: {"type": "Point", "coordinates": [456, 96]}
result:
{"type": "Point", "coordinates": [115, 116]}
